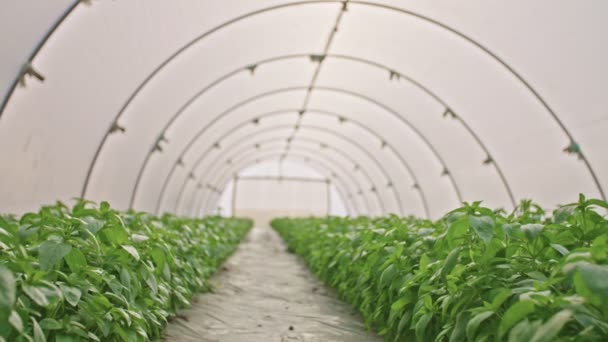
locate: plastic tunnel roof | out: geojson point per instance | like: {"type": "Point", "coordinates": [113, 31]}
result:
{"type": "Point", "coordinates": [409, 107]}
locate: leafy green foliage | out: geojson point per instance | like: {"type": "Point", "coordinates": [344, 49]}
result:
{"type": "Point", "coordinates": [93, 273]}
{"type": "Point", "coordinates": [476, 274]}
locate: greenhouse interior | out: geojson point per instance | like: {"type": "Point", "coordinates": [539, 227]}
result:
{"type": "Point", "coordinates": [303, 170]}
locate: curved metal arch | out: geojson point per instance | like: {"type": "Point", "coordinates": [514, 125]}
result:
{"type": "Point", "coordinates": [345, 174]}
{"type": "Point", "coordinates": [240, 148]}
{"type": "Point", "coordinates": [345, 199]}
{"type": "Point", "coordinates": [326, 162]}
{"type": "Point", "coordinates": [350, 142]}
{"type": "Point", "coordinates": [272, 8]}
{"type": "Point", "coordinates": [359, 124]}
{"type": "Point", "coordinates": [317, 111]}
{"type": "Point", "coordinates": [253, 134]}
{"type": "Point", "coordinates": [192, 99]}
{"type": "Point", "coordinates": [286, 126]}
{"type": "Point", "coordinates": [511, 70]}
{"type": "Point", "coordinates": [36, 50]}
{"type": "Point", "coordinates": [301, 154]}
{"type": "Point", "coordinates": [414, 82]}
{"type": "Point", "coordinates": [247, 147]}
{"type": "Point", "coordinates": [447, 107]}
{"type": "Point", "coordinates": [314, 154]}
{"type": "Point", "coordinates": [337, 90]}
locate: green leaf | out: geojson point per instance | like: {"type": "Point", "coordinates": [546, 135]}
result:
{"type": "Point", "coordinates": [92, 224]}
{"type": "Point", "coordinates": [483, 226]}
{"type": "Point", "coordinates": [403, 322]}
{"type": "Point", "coordinates": [424, 262]}
{"type": "Point", "coordinates": [450, 262]}
{"type": "Point", "coordinates": [591, 282]}
{"type": "Point", "coordinates": [474, 323]}
{"type": "Point", "coordinates": [93, 337]}
{"type": "Point", "coordinates": [458, 333]}
{"type": "Point", "coordinates": [532, 230]}
{"type": "Point", "coordinates": [387, 276]}
{"type": "Point", "coordinates": [514, 314]}
{"type": "Point", "coordinates": [116, 234]}
{"type": "Point", "coordinates": [50, 324]}
{"type": "Point", "coordinates": [599, 248]}
{"type": "Point", "coordinates": [67, 338]}
{"type": "Point", "coordinates": [16, 322]}
{"type": "Point", "coordinates": [7, 293]}
{"type": "Point", "coordinates": [599, 203]}
{"type": "Point", "coordinates": [458, 229]}
{"type": "Point", "coordinates": [513, 230]}
{"type": "Point", "coordinates": [131, 250]}
{"type": "Point", "coordinates": [421, 326]}
{"type": "Point", "coordinates": [36, 294]}
{"type": "Point", "coordinates": [400, 304]}
{"type": "Point", "coordinates": [76, 260]}
{"type": "Point", "coordinates": [523, 331]}
{"type": "Point", "coordinates": [38, 333]}
{"type": "Point", "coordinates": [158, 255]}
{"type": "Point", "coordinates": [51, 252]}
{"type": "Point", "coordinates": [137, 238]}
{"type": "Point", "coordinates": [152, 283]}
{"type": "Point", "coordinates": [561, 249]}
{"type": "Point", "coordinates": [500, 298]}
{"type": "Point", "coordinates": [563, 214]}
{"type": "Point", "coordinates": [71, 294]}
{"type": "Point", "coordinates": [549, 331]}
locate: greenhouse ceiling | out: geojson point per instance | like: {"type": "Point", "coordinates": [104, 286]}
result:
{"type": "Point", "coordinates": [409, 107]}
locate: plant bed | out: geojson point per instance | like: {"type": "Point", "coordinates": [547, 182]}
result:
{"type": "Point", "coordinates": [94, 273]}
{"type": "Point", "coordinates": [476, 274]}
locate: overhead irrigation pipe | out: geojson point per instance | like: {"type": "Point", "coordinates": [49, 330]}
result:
{"type": "Point", "coordinates": [311, 161]}
{"type": "Point", "coordinates": [261, 146]}
{"type": "Point", "coordinates": [275, 140]}
{"type": "Point", "coordinates": [319, 64]}
{"type": "Point", "coordinates": [202, 36]}
{"type": "Point", "coordinates": [245, 162]}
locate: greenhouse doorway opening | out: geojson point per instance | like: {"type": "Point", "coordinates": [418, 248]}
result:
{"type": "Point", "coordinates": [280, 188]}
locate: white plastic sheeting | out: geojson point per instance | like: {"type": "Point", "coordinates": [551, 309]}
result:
{"type": "Point", "coordinates": [300, 197]}
{"type": "Point", "coordinates": [401, 102]}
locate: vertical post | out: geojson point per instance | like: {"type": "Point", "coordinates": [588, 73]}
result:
{"type": "Point", "coordinates": [233, 200]}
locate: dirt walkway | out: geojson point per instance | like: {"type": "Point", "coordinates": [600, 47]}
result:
{"type": "Point", "coordinates": [265, 294]}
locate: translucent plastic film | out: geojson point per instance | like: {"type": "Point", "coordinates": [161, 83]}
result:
{"type": "Point", "coordinates": [143, 103]}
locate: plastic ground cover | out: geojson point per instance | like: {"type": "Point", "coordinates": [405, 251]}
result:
{"type": "Point", "coordinates": [263, 293]}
